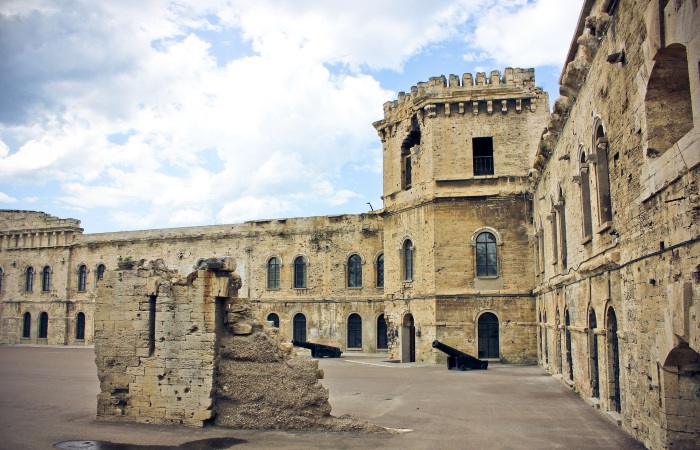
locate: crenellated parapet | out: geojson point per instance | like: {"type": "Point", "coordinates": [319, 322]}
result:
{"type": "Point", "coordinates": [512, 91]}
{"type": "Point", "coordinates": [32, 229]}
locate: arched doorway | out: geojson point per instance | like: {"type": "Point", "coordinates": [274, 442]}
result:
{"type": "Point", "coordinates": [567, 338]}
{"type": "Point", "coordinates": [80, 326]}
{"type": "Point", "coordinates": [557, 335]}
{"type": "Point", "coordinates": [546, 343]}
{"type": "Point", "coordinates": [382, 336]}
{"type": "Point", "coordinates": [408, 339]}
{"type": "Point", "coordinates": [27, 326]}
{"type": "Point", "coordinates": [43, 325]}
{"type": "Point", "coordinates": [488, 336]}
{"type": "Point", "coordinates": [613, 361]}
{"type": "Point", "coordinates": [299, 326]}
{"type": "Point", "coordinates": [355, 331]}
{"type": "Point", "coordinates": [593, 352]}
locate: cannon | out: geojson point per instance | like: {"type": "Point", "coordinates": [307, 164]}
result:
{"type": "Point", "coordinates": [460, 360]}
{"type": "Point", "coordinates": [319, 350]}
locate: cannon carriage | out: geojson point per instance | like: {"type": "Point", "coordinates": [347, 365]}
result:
{"type": "Point", "coordinates": [459, 360]}
{"type": "Point", "coordinates": [319, 350]}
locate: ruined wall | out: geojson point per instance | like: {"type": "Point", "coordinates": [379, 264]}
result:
{"type": "Point", "coordinates": [627, 278]}
{"type": "Point", "coordinates": [171, 349]}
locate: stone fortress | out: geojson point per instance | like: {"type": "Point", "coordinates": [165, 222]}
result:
{"type": "Point", "coordinates": [575, 247]}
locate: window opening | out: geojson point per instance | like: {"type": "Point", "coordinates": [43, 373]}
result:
{"type": "Point", "coordinates": [80, 326]}
{"type": "Point", "coordinates": [151, 325]}
{"type": "Point", "coordinates": [380, 270]}
{"type": "Point", "coordinates": [482, 150]}
{"type": "Point", "coordinates": [82, 277]}
{"type": "Point", "coordinates": [488, 336]}
{"type": "Point", "coordinates": [486, 255]}
{"type": "Point", "coordinates": [408, 260]}
{"type": "Point", "coordinates": [299, 327]}
{"type": "Point", "coordinates": [613, 360]}
{"type": "Point", "coordinates": [29, 281]}
{"type": "Point", "coordinates": [299, 272]}
{"type": "Point", "coordinates": [354, 331]}
{"type": "Point", "coordinates": [382, 333]}
{"type": "Point", "coordinates": [410, 146]}
{"type": "Point", "coordinates": [593, 349]}
{"type": "Point", "coordinates": [275, 319]}
{"type": "Point", "coordinates": [100, 273]}
{"type": "Point", "coordinates": [46, 279]}
{"type": "Point", "coordinates": [27, 326]}
{"type": "Point", "coordinates": [602, 176]}
{"type": "Point", "coordinates": [585, 185]}
{"type": "Point", "coordinates": [43, 325]}
{"type": "Point", "coordinates": [355, 271]}
{"type": "Point", "coordinates": [273, 273]}
{"type": "Point", "coordinates": [569, 356]}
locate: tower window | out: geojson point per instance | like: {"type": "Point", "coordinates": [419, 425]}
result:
{"type": "Point", "coordinates": [482, 149]}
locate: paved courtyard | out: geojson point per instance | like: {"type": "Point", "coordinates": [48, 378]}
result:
{"type": "Point", "coordinates": [48, 396]}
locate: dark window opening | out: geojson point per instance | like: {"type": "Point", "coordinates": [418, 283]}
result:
{"type": "Point", "coordinates": [275, 319]}
{"type": "Point", "coordinates": [27, 326]}
{"type": "Point", "coordinates": [43, 325]}
{"type": "Point", "coordinates": [273, 273]}
{"type": "Point", "coordinates": [408, 260]}
{"type": "Point", "coordinates": [354, 331]}
{"type": "Point", "coordinates": [380, 270]}
{"type": "Point", "coordinates": [46, 279]}
{"type": "Point", "coordinates": [29, 280]}
{"type": "Point", "coordinates": [100, 274]}
{"type": "Point", "coordinates": [593, 348]}
{"type": "Point", "coordinates": [299, 272]}
{"type": "Point", "coordinates": [1, 274]}
{"type": "Point", "coordinates": [567, 338]}
{"type": "Point", "coordinates": [382, 333]}
{"type": "Point", "coordinates": [80, 326]}
{"type": "Point", "coordinates": [82, 278]}
{"type": "Point", "coordinates": [482, 149]}
{"type": "Point", "coordinates": [410, 146]}
{"type": "Point", "coordinates": [355, 271]}
{"type": "Point", "coordinates": [613, 360]}
{"type": "Point", "coordinates": [151, 325]}
{"type": "Point", "coordinates": [488, 336]}
{"type": "Point", "coordinates": [299, 327]}
{"type": "Point", "coordinates": [486, 255]}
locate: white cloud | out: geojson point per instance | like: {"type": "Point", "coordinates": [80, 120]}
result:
{"type": "Point", "coordinates": [4, 198]}
{"type": "Point", "coordinates": [518, 33]}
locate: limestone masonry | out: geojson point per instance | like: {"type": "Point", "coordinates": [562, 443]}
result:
{"type": "Point", "coordinates": [567, 239]}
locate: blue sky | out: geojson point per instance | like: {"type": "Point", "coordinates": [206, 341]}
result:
{"type": "Point", "coordinates": [154, 113]}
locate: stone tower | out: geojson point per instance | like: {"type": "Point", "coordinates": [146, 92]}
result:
{"type": "Point", "coordinates": [456, 162]}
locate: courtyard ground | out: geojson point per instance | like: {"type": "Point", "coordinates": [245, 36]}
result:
{"type": "Point", "coordinates": [48, 396]}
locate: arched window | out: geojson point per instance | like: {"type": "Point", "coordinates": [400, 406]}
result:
{"type": "Point", "coordinates": [408, 260]}
{"type": "Point", "coordinates": [488, 336]}
{"type": "Point", "coordinates": [1, 275]}
{"type": "Point", "coordinates": [29, 280]}
{"type": "Point", "coordinates": [27, 326]}
{"type": "Point", "coordinates": [380, 270]}
{"type": "Point", "coordinates": [560, 208]}
{"type": "Point", "coordinates": [593, 353]}
{"type": "Point", "coordinates": [382, 336]}
{"type": "Point", "coordinates": [275, 319]}
{"type": "Point", "coordinates": [299, 272]}
{"type": "Point", "coordinates": [273, 273]}
{"type": "Point", "coordinates": [354, 331]}
{"type": "Point", "coordinates": [613, 360]}
{"type": "Point", "coordinates": [80, 326]}
{"type": "Point", "coordinates": [585, 184]}
{"type": "Point", "coordinates": [486, 255]}
{"type": "Point", "coordinates": [43, 325]}
{"type": "Point", "coordinates": [100, 272]}
{"type": "Point", "coordinates": [299, 327]}
{"type": "Point", "coordinates": [82, 277]}
{"type": "Point", "coordinates": [567, 338]}
{"type": "Point", "coordinates": [46, 279]}
{"type": "Point", "coordinates": [600, 145]}
{"type": "Point", "coordinates": [355, 271]}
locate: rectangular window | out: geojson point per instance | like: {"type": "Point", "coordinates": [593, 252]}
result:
{"type": "Point", "coordinates": [482, 150]}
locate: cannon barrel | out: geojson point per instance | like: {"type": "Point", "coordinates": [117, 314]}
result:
{"type": "Point", "coordinates": [459, 360]}
{"type": "Point", "coordinates": [447, 349]}
{"type": "Point", "coordinates": [319, 350]}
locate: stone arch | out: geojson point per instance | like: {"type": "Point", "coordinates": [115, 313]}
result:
{"type": "Point", "coordinates": [354, 330]}
{"type": "Point", "coordinates": [478, 231]}
{"type": "Point", "coordinates": [488, 334]}
{"type": "Point", "coordinates": [613, 363]}
{"type": "Point", "coordinates": [599, 156]}
{"type": "Point", "coordinates": [667, 103]}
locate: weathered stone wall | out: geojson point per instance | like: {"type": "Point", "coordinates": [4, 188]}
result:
{"type": "Point", "coordinates": [630, 277]}
{"type": "Point", "coordinates": [171, 349]}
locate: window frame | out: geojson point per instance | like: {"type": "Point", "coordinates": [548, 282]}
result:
{"type": "Point", "coordinates": [43, 325]}
{"type": "Point", "coordinates": [379, 274]}
{"type": "Point", "coordinates": [27, 325]}
{"type": "Point", "coordinates": [82, 278]}
{"type": "Point", "coordinates": [353, 271]}
{"type": "Point", "coordinates": [46, 279]}
{"type": "Point", "coordinates": [407, 261]}
{"type": "Point", "coordinates": [273, 268]}
{"type": "Point", "coordinates": [300, 272]}
{"type": "Point", "coordinates": [80, 326]}
{"type": "Point", "coordinates": [354, 331]}
{"type": "Point", "coordinates": [275, 323]}
{"type": "Point", "coordinates": [29, 279]}
{"type": "Point", "coordinates": [100, 272]}
{"type": "Point", "coordinates": [490, 248]}
{"type": "Point", "coordinates": [296, 330]}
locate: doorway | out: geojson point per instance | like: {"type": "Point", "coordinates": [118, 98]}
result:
{"type": "Point", "coordinates": [408, 339]}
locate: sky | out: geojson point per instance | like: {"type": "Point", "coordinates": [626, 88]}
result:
{"type": "Point", "coordinates": [140, 114]}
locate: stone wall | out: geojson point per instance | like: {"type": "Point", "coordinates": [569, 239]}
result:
{"type": "Point", "coordinates": [616, 213]}
{"type": "Point", "coordinates": [186, 350]}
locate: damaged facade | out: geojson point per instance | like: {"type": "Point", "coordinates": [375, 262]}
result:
{"type": "Point", "coordinates": [575, 248]}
